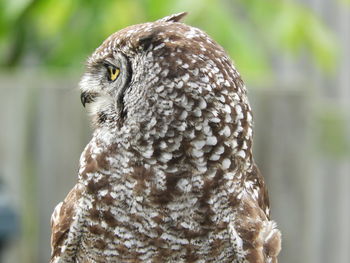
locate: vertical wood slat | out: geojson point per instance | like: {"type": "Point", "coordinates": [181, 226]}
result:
{"type": "Point", "coordinates": [281, 151]}
{"type": "Point", "coordinates": [62, 134]}
{"type": "Point", "coordinates": [45, 129]}
{"type": "Point", "coordinates": [13, 129]}
{"type": "Point", "coordinates": [343, 82]}
{"type": "Point", "coordinates": [331, 223]}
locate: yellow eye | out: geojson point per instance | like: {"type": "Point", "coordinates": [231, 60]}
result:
{"type": "Point", "coordinates": [113, 73]}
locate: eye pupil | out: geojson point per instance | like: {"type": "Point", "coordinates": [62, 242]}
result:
{"type": "Point", "coordinates": [113, 73]}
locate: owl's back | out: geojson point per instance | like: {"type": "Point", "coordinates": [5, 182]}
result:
{"type": "Point", "coordinates": [169, 174]}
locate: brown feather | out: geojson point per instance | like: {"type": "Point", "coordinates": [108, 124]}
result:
{"type": "Point", "coordinates": [62, 219]}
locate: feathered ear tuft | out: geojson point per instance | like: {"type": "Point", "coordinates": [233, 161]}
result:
{"type": "Point", "coordinates": [173, 18]}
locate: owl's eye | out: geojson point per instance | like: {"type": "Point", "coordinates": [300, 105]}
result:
{"type": "Point", "coordinates": [112, 72]}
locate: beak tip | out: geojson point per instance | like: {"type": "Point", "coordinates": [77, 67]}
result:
{"type": "Point", "coordinates": [87, 97]}
{"type": "Point", "coordinates": [83, 98]}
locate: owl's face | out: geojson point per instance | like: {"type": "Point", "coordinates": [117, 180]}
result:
{"type": "Point", "coordinates": [103, 87]}
{"type": "Point", "coordinates": [165, 83]}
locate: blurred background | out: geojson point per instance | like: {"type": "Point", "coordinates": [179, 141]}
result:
{"type": "Point", "coordinates": [293, 55]}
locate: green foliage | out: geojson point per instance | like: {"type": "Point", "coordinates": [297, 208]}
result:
{"type": "Point", "coordinates": [60, 34]}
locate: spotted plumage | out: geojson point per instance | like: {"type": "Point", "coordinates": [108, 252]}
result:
{"type": "Point", "coordinates": [168, 175]}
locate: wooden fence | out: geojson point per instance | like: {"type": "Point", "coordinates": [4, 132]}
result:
{"type": "Point", "coordinates": [44, 129]}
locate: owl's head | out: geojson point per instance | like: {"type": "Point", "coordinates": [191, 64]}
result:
{"type": "Point", "coordinates": [163, 79]}
{"type": "Point", "coordinates": [124, 71]}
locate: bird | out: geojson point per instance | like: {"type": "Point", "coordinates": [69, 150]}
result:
{"type": "Point", "coordinates": [169, 174]}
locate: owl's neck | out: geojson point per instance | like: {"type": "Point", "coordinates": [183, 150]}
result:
{"type": "Point", "coordinates": [175, 148]}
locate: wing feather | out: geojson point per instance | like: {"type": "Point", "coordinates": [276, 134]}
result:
{"type": "Point", "coordinates": [62, 220]}
{"type": "Point", "coordinates": [254, 237]}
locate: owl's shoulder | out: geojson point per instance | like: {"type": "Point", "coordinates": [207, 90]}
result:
{"type": "Point", "coordinates": [64, 217]}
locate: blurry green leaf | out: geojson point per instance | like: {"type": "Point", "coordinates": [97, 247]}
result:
{"type": "Point", "coordinates": [344, 1]}
{"type": "Point", "coordinates": [51, 16]}
{"type": "Point", "coordinates": [323, 45]}
{"type": "Point", "coordinates": [290, 26]}
{"type": "Point", "coordinates": [60, 33]}
{"type": "Point", "coordinates": [13, 9]}
{"type": "Point", "coordinates": [195, 8]}
{"type": "Point", "coordinates": [156, 9]}
{"type": "Point", "coordinates": [115, 17]}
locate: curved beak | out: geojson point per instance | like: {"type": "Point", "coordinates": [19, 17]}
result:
{"type": "Point", "coordinates": [87, 97]}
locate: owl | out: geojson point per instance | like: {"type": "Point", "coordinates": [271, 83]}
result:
{"type": "Point", "coordinates": [169, 174]}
